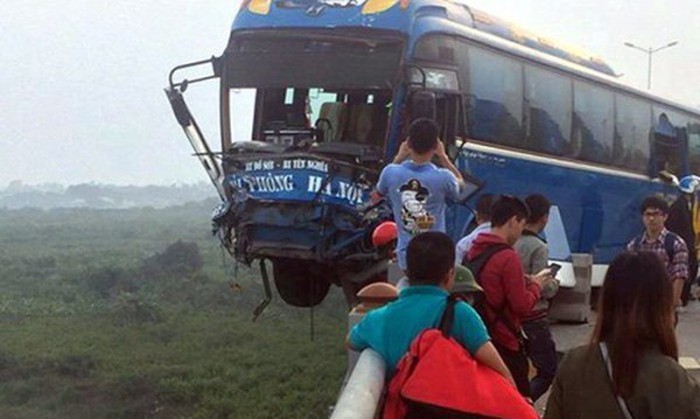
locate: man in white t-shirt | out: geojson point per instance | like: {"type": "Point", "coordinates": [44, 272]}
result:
{"type": "Point", "coordinates": [483, 221]}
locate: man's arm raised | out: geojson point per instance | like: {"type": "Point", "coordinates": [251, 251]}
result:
{"type": "Point", "coordinates": [445, 162]}
{"type": "Point", "coordinates": [403, 153]}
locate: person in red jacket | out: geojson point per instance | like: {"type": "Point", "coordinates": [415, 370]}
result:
{"type": "Point", "coordinates": [509, 293]}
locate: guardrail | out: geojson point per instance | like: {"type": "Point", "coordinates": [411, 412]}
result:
{"type": "Point", "coordinates": [360, 396]}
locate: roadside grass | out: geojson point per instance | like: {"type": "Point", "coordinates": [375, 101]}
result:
{"type": "Point", "coordinates": [95, 323]}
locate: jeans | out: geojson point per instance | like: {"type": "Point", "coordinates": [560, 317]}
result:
{"type": "Point", "coordinates": [542, 352]}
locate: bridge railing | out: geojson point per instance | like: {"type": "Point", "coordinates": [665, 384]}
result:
{"type": "Point", "coordinates": [360, 397]}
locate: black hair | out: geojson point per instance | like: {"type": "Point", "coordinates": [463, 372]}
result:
{"type": "Point", "coordinates": [539, 207]}
{"type": "Point", "coordinates": [429, 257]}
{"type": "Point", "coordinates": [483, 206]}
{"type": "Point", "coordinates": [507, 207]}
{"type": "Point", "coordinates": [654, 202]}
{"type": "Point", "coordinates": [423, 135]}
{"type": "Point", "coordinates": [635, 315]}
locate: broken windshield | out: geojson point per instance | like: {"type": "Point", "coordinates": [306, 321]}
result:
{"type": "Point", "coordinates": [300, 90]}
{"type": "Point", "coordinates": [284, 116]}
{"type": "Point", "coordinates": [309, 60]}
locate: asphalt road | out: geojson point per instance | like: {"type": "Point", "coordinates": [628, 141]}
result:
{"type": "Point", "coordinates": [569, 336]}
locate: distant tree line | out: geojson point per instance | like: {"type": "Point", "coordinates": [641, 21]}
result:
{"type": "Point", "coordinates": [18, 195]}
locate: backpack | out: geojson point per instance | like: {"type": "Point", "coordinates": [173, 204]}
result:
{"type": "Point", "coordinates": [476, 265]}
{"type": "Point", "coordinates": [669, 242]}
{"type": "Point", "coordinates": [438, 378]}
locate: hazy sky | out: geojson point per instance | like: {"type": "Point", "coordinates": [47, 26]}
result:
{"type": "Point", "coordinates": [81, 81]}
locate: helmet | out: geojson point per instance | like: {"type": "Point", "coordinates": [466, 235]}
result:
{"type": "Point", "coordinates": [688, 184]}
{"type": "Point", "coordinates": [384, 234]}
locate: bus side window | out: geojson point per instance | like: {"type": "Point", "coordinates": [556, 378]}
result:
{"type": "Point", "coordinates": [594, 122]}
{"type": "Point", "coordinates": [549, 98]}
{"type": "Point", "coordinates": [632, 131]}
{"type": "Point", "coordinates": [667, 147]}
{"type": "Point", "coordinates": [495, 93]}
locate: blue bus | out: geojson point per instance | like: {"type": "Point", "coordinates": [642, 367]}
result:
{"type": "Point", "coordinates": [316, 96]}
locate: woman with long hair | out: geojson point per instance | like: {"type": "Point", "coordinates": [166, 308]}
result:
{"type": "Point", "coordinates": [630, 369]}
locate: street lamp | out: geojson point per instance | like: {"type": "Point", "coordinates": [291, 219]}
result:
{"type": "Point", "coordinates": [650, 51]}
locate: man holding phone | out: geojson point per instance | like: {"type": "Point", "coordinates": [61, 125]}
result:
{"type": "Point", "coordinates": [534, 257]}
{"type": "Point", "coordinates": [508, 295]}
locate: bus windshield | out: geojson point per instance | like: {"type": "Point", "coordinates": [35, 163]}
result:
{"type": "Point", "coordinates": [283, 60]}
{"type": "Point", "coordinates": [286, 116]}
{"type": "Point", "coordinates": [339, 88]}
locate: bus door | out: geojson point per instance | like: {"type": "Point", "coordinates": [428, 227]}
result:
{"type": "Point", "coordinates": [447, 109]}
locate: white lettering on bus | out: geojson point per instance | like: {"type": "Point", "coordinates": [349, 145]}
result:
{"type": "Point", "coordinates": [347, 191]}
{"type": "Point", "coordinates": [269, 183]}
{"type": "Point", "coordinates": [350, 192]}
{"type": "Point", "coordinates": [315, 183]}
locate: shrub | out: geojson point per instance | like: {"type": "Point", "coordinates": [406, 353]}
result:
{"type": "Point", "coordinates": [134, 308]}
{"type": "Point", "coordinates": [179, 259]}
{"type": "Point", "coordinates": [109, 280]}
{"type": "Point", "coordinates": [7, 361]}
{"type": "Point", "coordinates": [78, 366]}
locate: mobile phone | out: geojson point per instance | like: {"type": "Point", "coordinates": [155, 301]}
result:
{"type": "Point", "coordinates": [554, 268]}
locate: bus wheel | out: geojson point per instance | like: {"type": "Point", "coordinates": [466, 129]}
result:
{"type": "Point", "coordinates": [300, 283]}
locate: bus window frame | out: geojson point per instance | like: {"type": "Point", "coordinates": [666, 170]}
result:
{"type": "Point", "coordinates": [422, 66]}
{"type": "Point", "coordinates": [571, 76]}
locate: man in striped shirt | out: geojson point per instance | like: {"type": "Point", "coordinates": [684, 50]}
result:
{"type": "Point", "coordinates": [669, 246]}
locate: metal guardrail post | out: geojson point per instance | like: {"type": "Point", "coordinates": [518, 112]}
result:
{"type": "Point", "coordinates": [361, 395]}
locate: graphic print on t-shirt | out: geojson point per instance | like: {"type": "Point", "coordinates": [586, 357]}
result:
{"type": "Point", "coordinates": [414, 216]}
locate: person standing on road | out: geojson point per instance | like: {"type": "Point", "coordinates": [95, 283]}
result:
{"type": "Point", "coordinates": [680, 221]}
{"type": "Point", "coordinates": [483, 224]}
{"type": "Point", "coordinates": [630, 369]}
{"type": "Point", "coordinates": [389, 330]}
{"type": "Point", "coordinates": [416, 188]}
{"type": "Point", "coordinates": [669, 247]}
{"type": "Point", "coordinates": [534, 257]}
{"type": "Point", "coordinates": [508, 294]}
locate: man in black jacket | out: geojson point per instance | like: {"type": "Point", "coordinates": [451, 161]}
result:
{"type": "Point", "coordinates": [680, 221]}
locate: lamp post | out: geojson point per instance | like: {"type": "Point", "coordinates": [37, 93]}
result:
{"type": "Point", "coordinates": [650, 51]}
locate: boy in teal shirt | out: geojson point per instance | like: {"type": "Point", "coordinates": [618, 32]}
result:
{"type": "Point", "coordinates": [391, 329]}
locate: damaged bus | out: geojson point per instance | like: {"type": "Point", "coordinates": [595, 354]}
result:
{"type": "Point", "coordinates": [315, 97]}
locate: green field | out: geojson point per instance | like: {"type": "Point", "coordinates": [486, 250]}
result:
{"type": "Point", "coordinates": [132, 313]}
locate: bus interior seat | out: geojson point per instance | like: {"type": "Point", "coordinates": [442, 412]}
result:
{"type": "Point", "coordinates": [332, 120]}
{"type": "Point", "coordinates": [367, 123]}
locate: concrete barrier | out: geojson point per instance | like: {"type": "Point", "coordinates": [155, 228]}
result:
{"type": "Point", "coordinates": [363, 390]}
{"type": "Point", "coordinates": [574, 304]}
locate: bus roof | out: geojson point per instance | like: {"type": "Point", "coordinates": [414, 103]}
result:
{"type": "Point", "coordinates": [401, 16]}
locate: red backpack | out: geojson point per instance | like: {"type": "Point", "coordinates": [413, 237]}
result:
{"type": "Point", "coordinates": [438, 378]}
